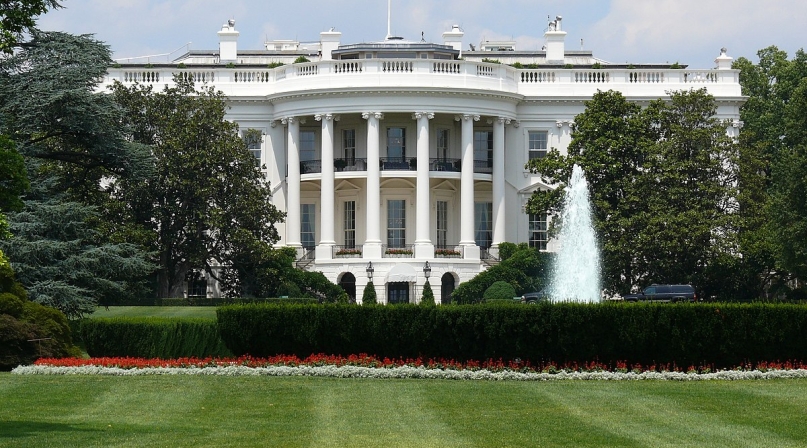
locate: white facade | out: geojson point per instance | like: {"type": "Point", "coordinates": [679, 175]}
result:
{"type": "Point", "coordinates": [401, 153]}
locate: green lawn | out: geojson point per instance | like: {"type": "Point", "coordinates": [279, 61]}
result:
{"type": "Point", "coordinates": [324, 412]}
{"type": "Point", "coordinates": [156, 311]}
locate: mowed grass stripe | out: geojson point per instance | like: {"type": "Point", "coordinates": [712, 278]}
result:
{"type": "Point", "coordinates": [304, 412]}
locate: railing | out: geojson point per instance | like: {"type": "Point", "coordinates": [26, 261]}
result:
{"type": "Point", "coordinates": [483, 166]}
{"type": "Point", "coordinates": [350, 164]}
{"type": "Point", "coordinates": [448, 251]}
{"type": "Point", "coordinates": [474, 74]}
{"type": "Point", "coordinates": [401, 251]}
{"type": "Point", "coordinates": [348, 251]}
{"type": "Point", "coordinates": [310, 166]}
{"type": "Point", "coordinates": [397, 163]}
{"type": "Point", "coordinates": [441, 164]}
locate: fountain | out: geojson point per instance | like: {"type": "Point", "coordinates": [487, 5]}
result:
{"type": "Point", "coordinates": [576, 271]}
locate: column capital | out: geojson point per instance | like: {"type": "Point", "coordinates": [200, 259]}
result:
{"type": "Point", "coordinates": [504, 120]}
{"type": "Point", "coordinates": [273, 123]}
{"type": "Point", "coordinates": [466, 117]}
{"type": "Point", "coordinates": [288, 120]}
{"type": "Point", "coordinates": [326, 117]}
{"type": "Point", "coordinates": [419, 115]}
{"type": "Point", "coordinates": [377, 115]}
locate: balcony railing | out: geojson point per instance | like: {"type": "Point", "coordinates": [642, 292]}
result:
{"type": "Point", "coordinates": [350, 164]}
{"type": "Point", "coordinates": [348, 251]}
{"type": "Point", "coordinates": [483, 166]}
{"type": "Point", "coordinates": [402, 251]}
{"type": "Point", "coordinates": [448, 251]}
{"type": "Point", "coordinates": [310, 166]}
{"type": "Point", "coordinates": [398, 163]}
{"type": "Point", "coordinates": [443, 164]}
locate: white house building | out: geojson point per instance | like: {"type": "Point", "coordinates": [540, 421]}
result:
{"type": "Point", "coordinates": [397, 154]}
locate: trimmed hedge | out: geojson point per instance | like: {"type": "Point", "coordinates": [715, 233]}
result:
{"type": "Point", "coordinates": [152, 337]}
{"type": "Point", "coordinates": [723, 335]}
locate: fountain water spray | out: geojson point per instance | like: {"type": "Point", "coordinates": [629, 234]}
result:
{"type": "Point", "coordinates": [576, 271]}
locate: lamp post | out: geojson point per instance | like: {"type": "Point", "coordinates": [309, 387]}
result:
{"type": "Point", "coordinates": [370, 271]}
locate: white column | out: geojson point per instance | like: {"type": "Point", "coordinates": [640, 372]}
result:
{"type": "Point", "coordinates": [467, 187]}
{"type": "Point", "coordinates": [423, 244]}
{"type": "Point", "coordinates": [327, 209]}
{"type": "Point", "coordinates": [372, 243]}
{"type": "Point", "coordinates": [293, 182]}
{"type": "Point", "coordinates": [498, 180]}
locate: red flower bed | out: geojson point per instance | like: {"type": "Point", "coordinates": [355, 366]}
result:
{"type": "Point", "coordinates": [364, 360]}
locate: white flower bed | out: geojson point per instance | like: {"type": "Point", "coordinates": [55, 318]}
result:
{"type": "Point", "coordinates": [413, 372]}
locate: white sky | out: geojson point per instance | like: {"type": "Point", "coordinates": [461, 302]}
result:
{"type": "Point", "coordinates": [621, 31]}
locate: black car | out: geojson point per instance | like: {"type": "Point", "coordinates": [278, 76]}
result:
{"type": "Point", "coordinates": [532, 298]}
{"type": "Point", "coordinates": [664, 293]}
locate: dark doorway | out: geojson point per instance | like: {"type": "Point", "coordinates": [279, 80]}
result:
{"type": "Point", "coordinates": [397, 292]}
{"type": "Point", "coordinates": [446, 288]}
{"type": "Point", "coordinates": [348, 283]}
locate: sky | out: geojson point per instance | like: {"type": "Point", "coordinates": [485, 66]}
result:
{"type": "Point", "coordinates": [690, 32]}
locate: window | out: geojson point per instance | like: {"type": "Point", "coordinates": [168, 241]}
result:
{"type": "Point", "coordinates": [396, 223]}
{"type": "Point", "coordinates": [398, 292]}
{"type": "Point", "coordinates": [396, 144]}
{"type": "Point", "coordinates": [350, 224]}
{"type": "Point", "coordinates": [483, 223]}
{"type": "Point", "coordinates": [252, 138]}
{"type": "Point", "coordinates": [442, 144]}
{"type": "Point", "coordinates": [537, 235]}
{"type": "Point", "coordinates": [307, 217]}
{"type": "Point", "coordinates": [349, 143]}
{"type": "Point", "coordinates": [537, 144]}
{"type": "Point", "coordinates": [483, 149]}
{"type": "Point", "coordinates": [308, 147]}
{"type": "Point", "coordinates": [442, 224]}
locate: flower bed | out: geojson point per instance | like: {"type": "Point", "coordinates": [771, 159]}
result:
{"type": "Point", "coordinates": [365, 366]}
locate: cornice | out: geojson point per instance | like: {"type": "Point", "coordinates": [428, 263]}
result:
{"type": "Point", "coordinates": [361, 91]}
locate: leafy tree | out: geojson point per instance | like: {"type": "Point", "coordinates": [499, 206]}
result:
{"type": "Point", "coordinates": [427, 298]}
{"type": "Point", "coordinates": [368, 297]}
{"type": "Point", "coordinates": [773, 140]}
{"type": "Point", "coordinates": [525, 266]}
{"type": "Point", "coordinates": [206, 204]}
{"type": "Point", "coordinates": [18, 17]}
{"type": "Point", "coordinates": [499, 290]}
{"type": "Point", "coordinates": [13, 178]}
{"type": "Point", "coordinates": [662, 186]}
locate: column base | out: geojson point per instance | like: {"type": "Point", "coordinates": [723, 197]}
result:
{"type": "Point", "coordinates": [424, 250]}
{"type": "Point", "coordinates": [371, 250]}
{"type": "Point", "coordinates": [324, 252]}
{"type": "Point", "coordinates": [471, 252]}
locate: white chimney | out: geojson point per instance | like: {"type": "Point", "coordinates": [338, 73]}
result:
{"type": "Point", "coordinates": [555, 51]}
{"type": "Point", "coordinates": [329, 41]}
{"type": "Point", "coordinates": [228, 40]}
{"type": "Point", "coordinates": [723, 61]}
{"type": "Point", "coordinates": [453, 38]}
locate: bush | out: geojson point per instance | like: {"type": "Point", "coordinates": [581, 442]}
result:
{"type": "Point", "coordinates": [428, 295]}
{"type": "Point", "coordinates": [301, 59]}
{"type": "Point", "coordinates": [152, 337]}
{"type": "Point", "coordinates": [369, 295]}
{"type": "Point", "coordinates": [499, 290]}
{"type": "Point", "coordinates": [523, 267]}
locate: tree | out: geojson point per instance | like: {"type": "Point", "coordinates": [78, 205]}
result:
{"type": "Point", "coordinates": [18, 17]}
{"type": "Point", "coordinates": [205, 205]}
{"type": "Point", "coordinates": [368, 297]}
{"type": "Point", "coordinates": [427, 298]}
{"type": "Point", "coordinates": [662, 182]}
{"type": "Point", "coordinates": [13, 178]}
{"type": "Point", "coordinates": [521, 265]}
{"type": "Point", "coordinates": [773, 140]}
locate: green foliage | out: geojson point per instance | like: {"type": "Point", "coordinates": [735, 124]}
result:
{"type": "Point", "coordinates": [368, 297]}
{"type": "Point", "coordinates": [676, 65]}
{"type": "Point", "coordinates": [651, 172]}
{"type": "Point", "coordinates": [723, 335]}
{"type": "Point", "coordinates": [59, 259]}
{"type": "Point", "coordinates": [525, 267]}
{"type": "Point", "coordinates": [14, 178]}
{"type": "Point", "coordinates": [301, 59]}
{"type": "Point", "coordinates": [18, 17]}
{"type": "Point", "coordinates": [289, 289]}
{"type": "Point", "coordinates": [500, 290]}
{"type": "Point", "coordinates": [230, 65]}
{"type": "Point", "coordinates": [491, 61]}
{"type": "Point", "coordinates": [223, 213]}
{"type": "Point", "coordinates": [152, 337]}
{"type": "Point", "coordinates": [428, 295]}
{"type": "Point", "coordinates": [596, 66]}
{"type": "Point", "coordinates": [275, 65]}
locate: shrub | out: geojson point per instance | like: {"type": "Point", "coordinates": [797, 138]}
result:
{"type": "Point", "coordinates": [369, 295]}
{"type": "Point", "coordinates": [428, 295]}
{"type": "Point", "coordinates": [289, 289]}
{"type": "Point", "coordinates": [499, 290]}
{"type": "Point", "coordinates": [301, 59]}
{"type": "Point", "coordinates": [152, 337]}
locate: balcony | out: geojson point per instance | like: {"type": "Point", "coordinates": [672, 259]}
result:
{"type": "Point", "coordinates": [401, 251]}
{"type": "Point", "coordinates": [350, 164]}
{"type": "Point", "coordinates": [398, 163]}
{"type": "Point", "coordinates": [443, 164]}
{"type": "Point", "coordinates": [348, 251]}
{"type": "Point", "coordinates": [448, 251]}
